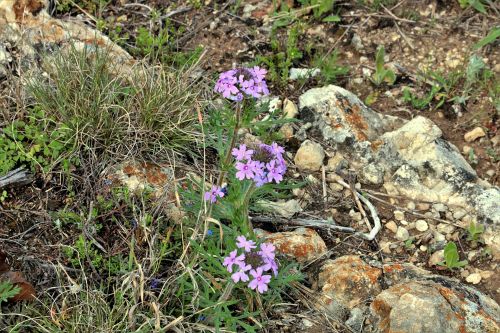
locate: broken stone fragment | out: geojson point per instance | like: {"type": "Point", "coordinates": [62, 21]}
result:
{"type": "Point", "coordinates": [310, 156]}
{"type": "Point", "coordinates": [302, 244]}
{"type": "Point", "coordinates": [476, 133]}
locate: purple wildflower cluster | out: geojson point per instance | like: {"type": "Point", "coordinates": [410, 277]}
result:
{"type": "Point", "coordinates": [237, 83]}
{"type": "Point", "coordinates": [254, 262]}
{"type": "Point", "coordinates": [263, 164]}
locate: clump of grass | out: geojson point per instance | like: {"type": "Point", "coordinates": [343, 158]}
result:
{"type": "Point", "coordinates": [148, 112]}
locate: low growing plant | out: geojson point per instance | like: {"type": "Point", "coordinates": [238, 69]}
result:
{"type": "Point", "coordinates": [382, 74]}
{"type": "Point", "coordinates": [7, 290]}
{"type": "Point", "coordinates": [474, 232]}
{"type": "Point", "coordinates": [283, 56]}
{"type": "Point", "coordinates": [451, 257]}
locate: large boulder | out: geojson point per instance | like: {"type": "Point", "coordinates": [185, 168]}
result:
{"type": "Point", "coordinates": [27, 32]}
{"type": "Point", "coordinates": [410, 157]}
{"type": "Point", "coordinates": [429, 307]}
{"type": "Point", "coordinates": [401, 298]}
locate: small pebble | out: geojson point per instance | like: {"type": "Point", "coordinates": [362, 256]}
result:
{"type": "Point", "coordinates": [421, 225]}
{"type": "Point", "coordinates": [474, 278]}
{"type": "Point", "coordinates": [402, 234]}
{"type": "Point", "coordinates": [399, 215]}
{"type": "Point", "coordinates": [466, 150]}
{"type": "Point", "coordinates": [423, 206]}
{"type": "Point", "coordinates": [410, 205]}
{"type": "Point", "coordinates": [459, 213]}
{"type": "Point", "coordinates": [436, 258]}
{"type": "Point", "coordinates": [439, 207]}
{"type": "Point", "coordinates": [476, 133]}
{"type": "Point", "coordinates": [490, 172]}
{"type": "Point", "coordinates": [392, 226]}
{"type": "Point", "coordinates": [439, 237]}
{"type": "Point", "coordinates": [445, 228]}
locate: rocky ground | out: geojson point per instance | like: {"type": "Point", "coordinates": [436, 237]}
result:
{"type": "Point", "coordinates": [389, 183]}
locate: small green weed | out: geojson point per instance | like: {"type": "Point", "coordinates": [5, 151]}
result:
{"type": "Point", "coordinates": [409, 243]}
{"type": "Point", "coordinates": [474, 232]}
{"type": "Point", "coordinates": [330, 69]}
{"type": "Point", "coordinates": [472, 157]}
{"type": "Point", "coordinates": [489, 39]}
{"type": "Point", "coordinates": [451, 257]}
{"type": "Point", "coordinates": [382, 74]}
{"type": "Point", "coordinates": [7, 290]}
{"type": "Point", "coordinates": [3, 196]}
{"type": "Point", "coordinates": [458, 86]}
{"type": "Point", "coordinates": [283, 56]}
{"type": "Point", "coordinates": [376, 5]}
{"type": "Point", "coordinates": [38, 141]}
{"type": "Point", "coordinates": [420, 103]}
{"type": "Point", "coordinates": [91, 6]}
{"type": "Point", "coordinates": [476, 4]}
{"type": "Point", "coordinates": [320, 8]}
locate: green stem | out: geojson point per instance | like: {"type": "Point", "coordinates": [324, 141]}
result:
{"type": "Point", "coordinates": [247, 224]}
{"type": "Point", "coordinates": [231, 146]}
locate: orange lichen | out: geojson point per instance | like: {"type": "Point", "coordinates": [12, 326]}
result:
{"type": "Point", "coordinates": [23, 7]}
{"type": "Point", "coordinates": [154, 175]}
{"type": "Point", "coordinates": [130, 170]}
{"type": "Point", "coordinates": [376, 144]}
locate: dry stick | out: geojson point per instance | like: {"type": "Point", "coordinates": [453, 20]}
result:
{"type": "Point", "coordinates": [18, 176]}
{"type": "Point", "coordinates": [372, 209]}
{"type": "Point", "coordinates": [395, 17]}
{"type": "Point", "coordinates": [323, 177]}
{"type": "Point", "coordinates": [407, 40]}
{"type": "Point", "coordinates": [360, 207]}
{"type": "Point", "coordinates": [326, 224]}
{"type": "Point", "coordinates": [411, 211]}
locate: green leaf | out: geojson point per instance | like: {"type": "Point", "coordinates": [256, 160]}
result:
{"type": "Point", "coordinates": [332, 18]}
{"type": "Point", "coordinates": [390, 77]}
{"type": "Point", "coordinates": [478, 5]}
{"type": "Point", "coordinates": [451, 257]}
{"type": "Point", "coordinates": [379, 59]}
{"type": "Point", "coordinates": [56, 145]}
{"type": "Point", "coordinates": [7, 290]}
{"type": "Point", "coordinates": [490, 38]}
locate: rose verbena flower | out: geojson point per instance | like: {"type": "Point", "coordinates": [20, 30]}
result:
{"type": "Point", "coordinates": [263, 164]}
{"type": "Point", "coordinates": [215, 191]}
{"type": "Point", "coordinates": [252, 265]}
{"type": "Point", "coordinates": [236, 84]}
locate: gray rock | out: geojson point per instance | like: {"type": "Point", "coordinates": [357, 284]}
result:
{"type": "Point", "coordinates": [356, 319]}
{"type": "Point", "coordinates": [417, 162]}
{"type": "Point", "coordinates": [283, 208]}
{"type": "Point", "coordinates": [28, 25]}
{"type": "Point", "coordinates": [371, 174]}
{"type": "Point", "coordinates": [428, 307]}
{"type": "Point", "coordinates": [414, 300]}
